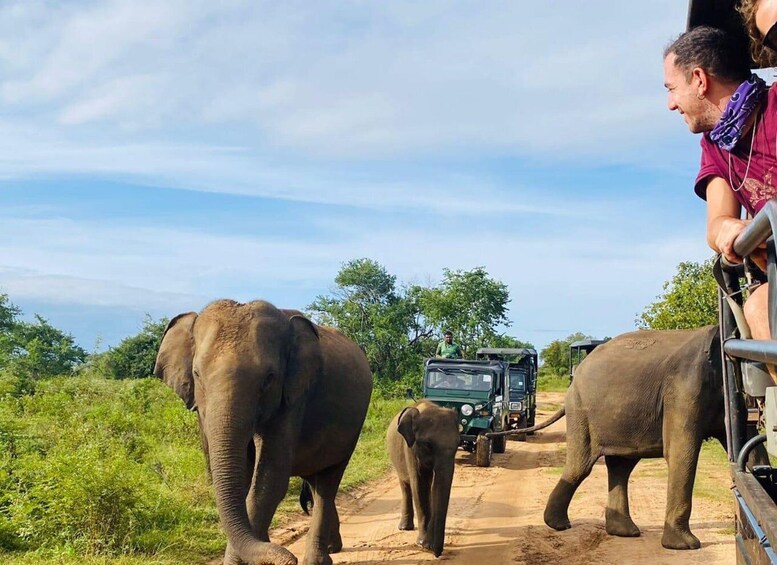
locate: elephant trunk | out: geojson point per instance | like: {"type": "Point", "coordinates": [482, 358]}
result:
{"type": "Point", "coordinates": [441, 493]}
{"type": "Point", "coordinates": [228, 440]}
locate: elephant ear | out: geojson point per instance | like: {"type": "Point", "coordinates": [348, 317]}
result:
{"type": "Point", "coordinates": [174, 359]}
{"type": "Point", "coordinates": [305, 361]}
{"type": "Point", "coordinates": [406, 424]}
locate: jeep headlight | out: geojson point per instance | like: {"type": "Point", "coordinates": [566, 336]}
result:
{"type": "Point", "coordinates": [466, 410]}
{"type": "Point", "coordinates": [517, 406]}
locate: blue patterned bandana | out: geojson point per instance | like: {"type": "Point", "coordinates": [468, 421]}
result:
{"type": "Point", "coordinates": [728, 130]}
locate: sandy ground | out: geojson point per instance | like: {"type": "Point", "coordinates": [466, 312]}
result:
{"type": "Point", "coordinates": [495, 513]}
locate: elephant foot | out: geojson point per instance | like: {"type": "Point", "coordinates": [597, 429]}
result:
{"type": "Point", "coordinates": [618, 524]}
{"type": "Point", "coordinates": [675, 538]}
{"type": "Point", "coordinates": [335, 544]}
{"type": "Point", "coordinates": [406, 524]}
{"type": "Point", "coordinates": [423, 543]}
{"type": "Point", "coordinates": [320, 559]}
{"type": "Point", "coordinates": [558, 522]}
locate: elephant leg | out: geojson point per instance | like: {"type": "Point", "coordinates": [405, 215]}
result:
{"type": "Point", "coordinates": [269, 484]}
{"type": "Point", "coordinates": [421, 485]}
{"type": "Point", "coordinates": [617, 517]}
{"type": "Point", "coordinates": [406, 517]}
{"type": "Point", "coordinates": [324, 532]}
{"type": "Point", "coordinates": [682, 456]}
{"type": "Point", "coordinates": [580, 461]}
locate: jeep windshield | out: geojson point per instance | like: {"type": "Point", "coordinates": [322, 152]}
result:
{"type": "Point", "coordinates": [517, 381]}
{"type": "Point", "coordinates": [459, 379]}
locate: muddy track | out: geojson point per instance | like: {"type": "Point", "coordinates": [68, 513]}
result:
{"type": "Point", "coordinates": [495, 514]}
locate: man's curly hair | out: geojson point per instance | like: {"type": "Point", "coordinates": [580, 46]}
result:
{"type": "Point", "coordinates": [762, 56]}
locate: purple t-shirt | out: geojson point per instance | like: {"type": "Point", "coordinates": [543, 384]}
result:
{"type": "Point", "coordinates": [761, 183]}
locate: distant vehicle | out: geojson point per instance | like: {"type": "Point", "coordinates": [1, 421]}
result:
{"type": "Point", "coordinates": [578, 350]}
{"type": "Point", "coordinates": [522, 366]}
{"type": "Point", "coordinates": [480, 391]}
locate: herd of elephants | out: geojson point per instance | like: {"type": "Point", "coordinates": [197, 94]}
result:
{"type": "Point", "coordinates": [279, 396]}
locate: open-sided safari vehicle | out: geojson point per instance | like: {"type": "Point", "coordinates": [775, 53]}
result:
{"type": "Point", "coordinates": [578, 351]}
{"type": "Point", "coordinates": [751, 398]}
{"type": "Point", "coordinates": [479, 390]}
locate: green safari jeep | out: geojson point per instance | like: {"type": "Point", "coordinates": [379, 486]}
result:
{"type": "Point", "coordinates": [521, 384]}
{"type": "Point", "coordinates": [479, 391]}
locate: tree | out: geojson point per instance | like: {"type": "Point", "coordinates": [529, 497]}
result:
{"type": "Point", "coordinates": [384, 321]}
{"type": "Point", "coordinates": [689, 300]}
{"type": "Point", "coordinates": [8, 320]}
{"type": "Point", "coordinates": [555, 357]}
{"type": "Point", "coordinates": [41, 350]}
{"type": "Point", "coordinates": [134, 356]}
{"type": "Point", "coordinates": [509, 342]}
{"type": "Point", "coordinates": [470, 304]}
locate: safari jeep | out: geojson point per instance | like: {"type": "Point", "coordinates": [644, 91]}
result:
{"type": "Point", "coordinates": [522, 384]}
{"type": "Point", "coordinates": [478, 391]}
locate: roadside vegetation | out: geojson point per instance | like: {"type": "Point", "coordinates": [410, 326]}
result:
{"type": "Point", "coordinates": [101, 463]}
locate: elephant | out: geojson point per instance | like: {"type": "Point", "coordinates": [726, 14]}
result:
{"type": "Point", "coordinates": [422, 441]}
{"type": "Point", "coordinates": [645, 394]}
{"type": "Point", "coordinates": [276, 396]}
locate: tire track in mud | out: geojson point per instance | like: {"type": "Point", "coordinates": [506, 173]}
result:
{"type": "Point", "coordinates": [495, 514]}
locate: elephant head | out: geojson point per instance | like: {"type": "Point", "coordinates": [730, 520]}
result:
{"type": "Point", "coordinates": [432, 434]}
{"type": "Point", "coordinates": [242, 367]}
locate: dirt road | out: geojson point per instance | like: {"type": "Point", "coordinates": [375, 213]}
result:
{"type": "Point", "coordinates": [495, 513]}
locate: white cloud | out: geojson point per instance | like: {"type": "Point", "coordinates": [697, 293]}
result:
{"type": "Point", "coordinates": [350, 80]}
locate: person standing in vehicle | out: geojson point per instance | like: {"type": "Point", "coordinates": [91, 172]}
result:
{"type": "Point", "coordinates": [446, 349]}
{"type": "Point", "coordinates": [709, 82]}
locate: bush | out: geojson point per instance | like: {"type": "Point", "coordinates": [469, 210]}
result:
{"type": "Point", "coordinates": [97, 467]}
{"type": "Point", "coordinates": [551, 381]}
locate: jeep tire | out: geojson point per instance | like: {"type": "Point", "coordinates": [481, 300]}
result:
{"type": "Point", "coordinates": [483, 447]}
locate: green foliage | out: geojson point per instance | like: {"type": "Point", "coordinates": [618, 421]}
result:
{"type": "Point", "coordinates": [396, 325]}
{"type": "Point", "coordinates": [689, 300]}
{"type": "Point", "coordinates": [96, 467]}
{"type": "Point", "coordinates": [555, 357]}
{"type": "Point", "coordinates": [41, 350]}
{"type": "Point", "coordinates": [35, 349]}
{"type": "Point", "coordinates": [367, 307]}
{"type": "Point", "coordinates": [470, 304]}
{"type": "Point", "coordinates": [134, 357]}
{"type": "Point", "coordinates": [103, 471]}
{"type": "Point", "coordinates": [509, 342]}
{"type": "Point", "coordinates": [550, 381]}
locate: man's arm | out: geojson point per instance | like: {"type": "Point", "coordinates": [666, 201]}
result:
{"type": "Point", "coordinates": [723, 218]}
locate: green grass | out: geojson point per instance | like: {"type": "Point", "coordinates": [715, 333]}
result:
{"type": "Point", "coordinates": [551, 382]}
{"type": "Point", "coordinates": [96, 471]}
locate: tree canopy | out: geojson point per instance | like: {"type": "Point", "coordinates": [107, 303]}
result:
{"type": "Point", "coordinates": [689, 300]}
{"type": "Point", "coordinates": [399, 325]}
{"type": "Point", "coordinates": [555, 356]}
{"type": "Point", "coordinates": [37, 348]}
{"type": "Point", "coordinates": [134, 356]}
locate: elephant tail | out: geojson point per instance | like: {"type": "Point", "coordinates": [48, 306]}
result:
{"type": "Point", "coordinates": [552, 420]}
{"type": "Point", "coordinates": [306, 497]}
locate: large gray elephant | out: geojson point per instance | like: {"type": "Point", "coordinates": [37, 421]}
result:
{"type": "Point", "coordinates": [644, 394]}
{"type": "Point", "coordinates": [422, 441]}
{"type": "Point", "coordinates": [276, 396]}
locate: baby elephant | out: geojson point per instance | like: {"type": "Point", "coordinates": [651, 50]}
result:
{"type": "Point", "coordinates": [422, 442]}
{"type": "Point", "coordinates": [650, 393]}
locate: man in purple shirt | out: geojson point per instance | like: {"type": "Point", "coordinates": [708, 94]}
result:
{"type": "Point", "coordinates": [710, 84]}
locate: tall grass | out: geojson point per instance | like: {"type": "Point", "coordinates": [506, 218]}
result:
{"type": "Point", "coordinates": [99, 471]}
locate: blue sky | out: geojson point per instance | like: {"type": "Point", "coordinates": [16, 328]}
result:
{"type": "Point", "coordinates": [157, 155]}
